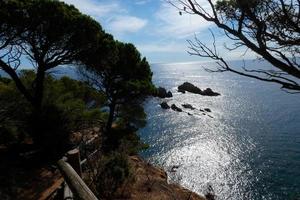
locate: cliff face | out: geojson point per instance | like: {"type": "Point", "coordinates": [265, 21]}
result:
{"type": "Point", "coordinates": [150, 183]}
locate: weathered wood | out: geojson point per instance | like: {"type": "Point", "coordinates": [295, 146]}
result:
{"type": "Point", "coordinates": [76, 184]}
{"type": "Point", "coordinates": [73, 157]}
{"type": "Point", "coordinates": [67, 192]}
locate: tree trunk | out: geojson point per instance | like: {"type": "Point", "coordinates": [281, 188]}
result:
{"type": "Point", "coordinates": [110, 120]}
{"type": "Point", "coordinates": [39, 88]}
{"type": "Point", "coordinates": [37, 115]}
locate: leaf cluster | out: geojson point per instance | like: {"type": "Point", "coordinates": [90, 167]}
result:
{"type": "Point", "coordinates": [123, 76]}
{"type": "Point", "coordinates": [69, 105]}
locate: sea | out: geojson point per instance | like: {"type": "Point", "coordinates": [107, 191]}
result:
{"type": "Point", "coordinates": [246, 148]}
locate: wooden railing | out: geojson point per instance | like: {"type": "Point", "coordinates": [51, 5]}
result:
{"type": "Point", "coordinates": [70, 168]}
{"type": "Point", "coordinates": [79, 189]}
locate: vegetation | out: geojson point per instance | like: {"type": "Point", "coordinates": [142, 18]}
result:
{"type": "Point", "coordinates": [111, 174]}
{"type": "Point", "coordinates": [48, 33]}
{"type": "Point", "coordinates": [69, 105]}
{"type": "Point", "coordinates": [125, 79]}
{"type": "Point", "coordinates": [270, 28]}
{"type": "Point", "coordinates": [40, 110]}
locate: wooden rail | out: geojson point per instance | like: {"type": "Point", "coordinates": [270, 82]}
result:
{"type": "Point", "coordinates": [80, 190]}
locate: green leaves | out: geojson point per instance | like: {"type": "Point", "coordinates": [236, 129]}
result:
{"type": "Point", "coordinates": [69, 105]}
{"type": "Point", "coordinates": [118, 70]}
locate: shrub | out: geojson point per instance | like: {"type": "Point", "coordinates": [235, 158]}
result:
{"type": "Point", "coordinates": [123, 140]}
{"type": "Point", "coordinates": [111, 174]}
{"type": "Point", "coordinates": [50, 130]}
{"type": "Point", "coordinates": [69, 105]}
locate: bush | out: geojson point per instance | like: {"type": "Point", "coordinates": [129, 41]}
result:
{"type": "Point", "coordinates": [50, 131]}
{"type": "Point", "coordinates": [14, 110]}
{"type": "Point", "coordinates": [123, 140]}
{"type": "Point", "coordinates": [69, 105]}
{"type": "Point", "coordinates": [111, 174]}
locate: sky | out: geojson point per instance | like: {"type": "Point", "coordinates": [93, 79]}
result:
{"type": "Point", "coordinates": [153, 26]}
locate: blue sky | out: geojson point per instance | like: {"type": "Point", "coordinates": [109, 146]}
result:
{"type": "Point", "coordinates": [153, 26]}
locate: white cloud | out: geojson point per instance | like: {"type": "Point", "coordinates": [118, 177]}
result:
{"type": "Point", "coordinates": [95, 8]}
{"type": "Point", "coordinates": [126, 24]}
{"type": "Point", "coordinates": [141, 2]}
{"type": "Point", "coordinates": [113, 16]}
{"type": "Point", "coordinates": [162, 48]}
{"type": "Point", "coordinates": [172, 24]}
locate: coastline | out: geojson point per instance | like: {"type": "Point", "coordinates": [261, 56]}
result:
{"type": "Point", "coordinates": [151, 182]}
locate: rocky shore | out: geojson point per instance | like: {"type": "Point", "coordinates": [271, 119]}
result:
{"type": "Point", "coordinates": [151, 184]}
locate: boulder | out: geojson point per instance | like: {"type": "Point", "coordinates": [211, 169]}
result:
{"type": "Point", "coordinates": [189, 87]}
{"type": "Point", "coordinates": [162, 93]}
{"type": "Point", "coordinates": [209, 92]}
{"type": "Point", "coordinates": [207, 109]}
{"type": "Point", "coordinates": [164, 105]}
{"type": "Point", "coordinates": [169, 94]}
{"type": "Point", "coordinates": [175, 108]}
{"type": "Point", "coordinates": [189, 106]}
{"type": "Point", "coordinates": [182, 91]}
{"type": "Point", "coordinates": [186, 86]}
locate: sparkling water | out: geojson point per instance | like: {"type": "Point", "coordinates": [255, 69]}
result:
{"type": "Point", "coordinates": [248, 147]}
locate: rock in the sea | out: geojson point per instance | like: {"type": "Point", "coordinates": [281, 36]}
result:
{"type": "Point", "coordinates": [162, 93]}
{"type": "Point", "coordinates": [175, 108]}
{"type": "Point", "coordinates": [186, 86]}
{"type": "Point", "coordinates": [165, 105]}
{"type": "Point", "coordinates": [169, 94]}
{"type": "Point", "coordinates": [180, 90]}
{"type": "Point", "coordinates": [207, 109]}
{"type": "Point", "coordinates": [209, 92]}
{"type": "Point", "coordinates": [189, 106]}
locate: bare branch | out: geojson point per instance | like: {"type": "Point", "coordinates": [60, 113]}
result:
{"type": "Point", "coordinates": [270, 28]}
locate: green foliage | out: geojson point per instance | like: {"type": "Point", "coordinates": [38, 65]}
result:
{"type": "Point", "coordinates": [124, 77]}
{"type": "Point", "coordinates": [111, 174]}
{"type": "Point", "coordinates": [14, 110]}
{"type": "Point", "coordinates": [124, 139]}
{"type": "Point", "coordinates": [69, 105]}
{"type": "Point", "coordinates": [49, 33]}
{"type": "Point", "coordinates": [79, 102]}
{"type": "Point", "coordinates": [132, 115]}
{"type": "Point", "coordinates": [233, 9]}
{"type": "Point", "coordinates": [52, 131]}
{"type": "Point", "coordinates": [48, 27]}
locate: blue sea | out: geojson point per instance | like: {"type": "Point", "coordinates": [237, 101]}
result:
{"type": "Point", "coordinates": [248, 147]}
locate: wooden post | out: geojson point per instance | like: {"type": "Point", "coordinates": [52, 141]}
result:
{"type": "Point", "coordinates": [80, 190]}
{"type": "Point", "coordinates": [73, 158]}
{"type": "Point", "coordinates": [68, 194]}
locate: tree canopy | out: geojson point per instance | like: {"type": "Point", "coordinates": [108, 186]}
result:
{"type": "Point", "coordinates": [47, 33]}
{"type": "Point", "coordinates": [69, 106]}
{"type": "Point", "coordinates": [270, 28]}
{"type": "Point", "coordinates": [50, 33]}
{"type": "Point", "coordinates": [124, 77]}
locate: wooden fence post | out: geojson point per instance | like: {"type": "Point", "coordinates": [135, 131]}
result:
{"type": "Point", "coordinates": [76, 184]}
{"type": "Point", "coordinates": [73, 158]}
